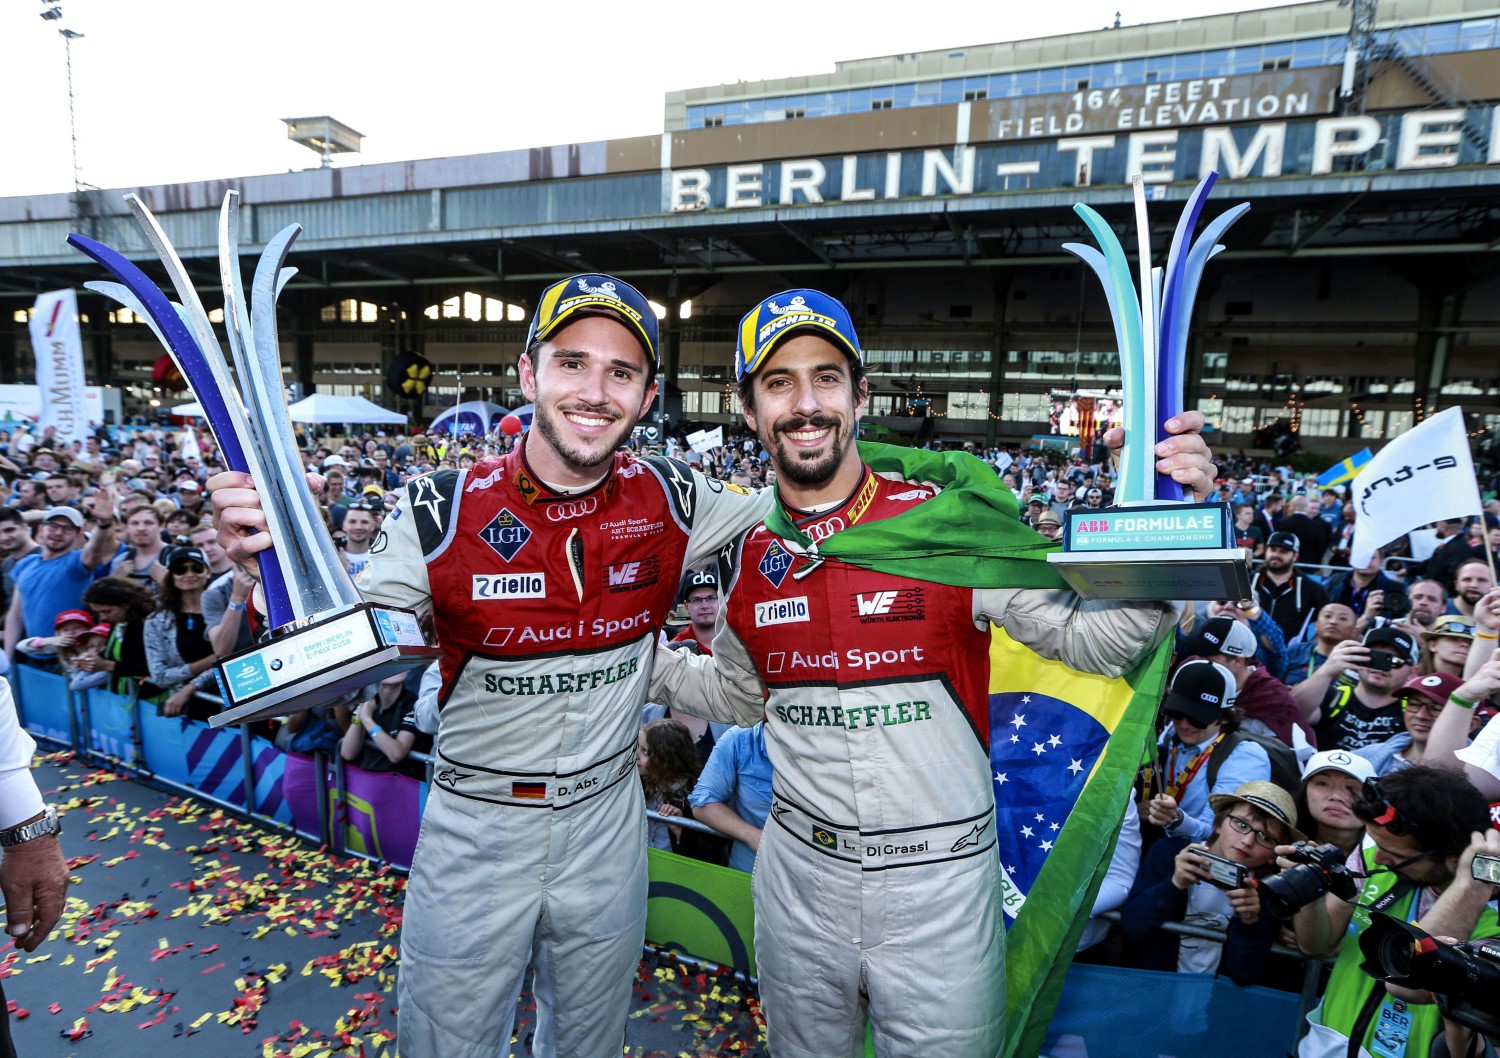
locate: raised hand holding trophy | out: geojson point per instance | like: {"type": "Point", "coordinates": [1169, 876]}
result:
{"type": "Point", "coordinates": [326, 642]}
{"type": "Point", "coordinates": [1151, 544]}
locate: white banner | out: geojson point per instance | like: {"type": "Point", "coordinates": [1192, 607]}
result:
{"type": "Point", "coordinates": [1425, 475]}
{"type": "Point", "coordinates": [58, 349]}
{"type": "Point", "coordinates": [706, 440]}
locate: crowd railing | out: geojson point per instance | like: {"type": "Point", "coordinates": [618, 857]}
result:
{"type": "Point", "coordinates": [700, 911]}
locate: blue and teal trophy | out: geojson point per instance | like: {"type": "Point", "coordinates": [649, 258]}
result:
{"type": "Point", "coordinates": [326, 644]}
{"type": "Point", "coordinates": [1152, 543]}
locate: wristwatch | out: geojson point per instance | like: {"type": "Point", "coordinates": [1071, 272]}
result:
{"type": "Point", "coordinates": [48, 824]}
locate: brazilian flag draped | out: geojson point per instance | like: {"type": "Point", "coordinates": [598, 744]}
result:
{"type": "Point", "coordinates": [1064, 745]}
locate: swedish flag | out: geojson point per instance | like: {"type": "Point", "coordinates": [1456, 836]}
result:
{"type": "Point", "coordinates": [1344, 470]}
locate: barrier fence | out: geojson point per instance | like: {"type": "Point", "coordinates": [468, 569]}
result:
{"type": "Point", "coordinates": [700, 910]}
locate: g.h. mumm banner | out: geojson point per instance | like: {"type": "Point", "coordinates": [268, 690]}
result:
{"type": "Point", "coordinates": [58, 349]}
{"type": "Point", "coordinates": [1424, 475]}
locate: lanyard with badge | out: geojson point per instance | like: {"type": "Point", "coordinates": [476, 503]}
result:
{"type": "Point", "coordinates": [1392, 1024]}
{"type": "Point", "coordinates": [1180, 783]}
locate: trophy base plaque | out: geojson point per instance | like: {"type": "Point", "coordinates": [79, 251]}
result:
{"type": "Point", "coordinates": [1163, 552]}
{"type": "Point", "coordinates": [320, 662]}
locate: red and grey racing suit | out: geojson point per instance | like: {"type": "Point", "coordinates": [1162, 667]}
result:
{"type": "Point", "coordinates": [533, 842]}
{"type": "Point", "coordinates": [877, 884]}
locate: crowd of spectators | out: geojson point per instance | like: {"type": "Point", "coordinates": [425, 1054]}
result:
{"type": "Point", "coordinates": [1333, 705]}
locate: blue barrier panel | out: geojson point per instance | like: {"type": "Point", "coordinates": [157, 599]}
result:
{"type": "Point", "coordinates": [44, 701]}
{"type": "Point", "coordinates": [191, 753]}
{"type": "Point", "coordinates": [1108, 1012]}
{"type": "Point", "coordinates": [112, 726]}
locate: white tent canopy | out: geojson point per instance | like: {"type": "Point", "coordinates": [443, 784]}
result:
{"type": "Point", "coordinates": [323, 408]}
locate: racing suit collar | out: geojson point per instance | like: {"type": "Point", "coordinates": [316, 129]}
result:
{"type": "Point", "coordinates": [853, 506]}
{"type": "Point", "coordinates": [535, 491]}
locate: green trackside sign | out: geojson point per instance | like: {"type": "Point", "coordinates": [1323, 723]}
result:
{"type": "Point", "coordinates": [1167, 527]}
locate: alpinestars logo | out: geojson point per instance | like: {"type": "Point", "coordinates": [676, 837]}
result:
{"type": "Point", "coordinates": [883, 607]}
{"type": "Point", "coordinates": [506, 533]}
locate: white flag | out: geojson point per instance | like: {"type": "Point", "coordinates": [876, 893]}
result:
{"type": "Point", "coordinates": [189, 448]}
{"type": "Point", "coordinates": [1425, 475]}
{"type": "Point", "coordinates": [58, 350]}
{"type": "Point", "coordinates": [706, 440]}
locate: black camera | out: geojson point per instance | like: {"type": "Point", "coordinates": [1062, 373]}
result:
{"type": "Point", "coordinates": [1397, 605]}
{"type": "Point", "coordinates": [1383, 661]}
{"type": "Point", "coordinates": [1321, 870]}
{"type": "Point", "coordinates": [1465, 977]}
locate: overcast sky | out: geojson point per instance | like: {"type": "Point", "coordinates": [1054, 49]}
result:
{"type": "Point", "coordinates": [178, 91]}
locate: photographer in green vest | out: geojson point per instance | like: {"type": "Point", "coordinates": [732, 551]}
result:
{"type": "Point", "coordinates": [1424, 827]}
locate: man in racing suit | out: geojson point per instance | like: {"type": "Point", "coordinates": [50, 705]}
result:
{"type": "Point", "coordinates": [548, 573]}
{"type": "Point", "coordinates": [877, 887]}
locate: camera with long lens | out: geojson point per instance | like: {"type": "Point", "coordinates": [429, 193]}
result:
{"type": "Point", "coordinates": [1320, 870]}
{"type": "Point", "coordinates": [1464, 977]}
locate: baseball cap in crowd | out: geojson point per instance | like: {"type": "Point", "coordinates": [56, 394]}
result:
{"type": "Point", "coordinates": [1454, 625]}
{"type": "Point", "coordinates": [1398, 641]}
{"type": "Point", "coordinates": [1351, 764]}
{"type": "Point", "coordinates": [1268, 798]}
{"type": "Point", "coordinates": [189, 486]}
{"type": "Point", "coordinates": [372, 490]}
{"type": "Point", "coordinates": [593, 294]}
{"type": "Point", "coordinates": [792, 312]}
{"type": "Point", "coordinates": [1047, 518]}
{"type": "Point", "coordinates": [1036, 501]}
{"type": "Point", "coordinates": [1222, 635]}
{"type": "Point", "coordinates": [1286, 540]}
{"type": "Point", "coordinates": [1201, 691]}
{"type": "Point", "coordinates": [699, 578]}
{"type": "Point", "coordinates": [71, 515]}
{"type": "Point", "coordinates": [1435, 687]}
{"type": "Point", "coordinates": [98, 630]}
{"type": "Point", "coordinates": [72, 616]}
{"type": "Point", "coordinates": [178, 554]}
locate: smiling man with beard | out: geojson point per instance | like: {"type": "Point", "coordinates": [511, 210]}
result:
{"type": "Point", "coordinates": [877, 885]}
{"type": "Point", "coordinates": [547, 573]}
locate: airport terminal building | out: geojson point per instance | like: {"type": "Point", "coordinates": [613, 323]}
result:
{"type": "Point", "coordinates": [933, 193]}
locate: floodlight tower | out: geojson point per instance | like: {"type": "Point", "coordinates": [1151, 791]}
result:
{"type": "Point", "coordinates": [53, 13]}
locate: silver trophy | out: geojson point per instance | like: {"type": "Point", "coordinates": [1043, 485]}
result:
{"type": "Point", "coordinates": [326, 643]}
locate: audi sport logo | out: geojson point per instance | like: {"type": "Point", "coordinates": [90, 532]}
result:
{"type": "Point", "coordinates": [567, 510]}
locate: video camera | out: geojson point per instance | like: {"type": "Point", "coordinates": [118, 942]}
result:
{"type": "Point", "coordinates": [1322, 870]}
{"type": "Point", "coordinates": [1464, 977]}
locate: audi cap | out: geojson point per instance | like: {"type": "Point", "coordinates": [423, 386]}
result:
{"type": "Point", "coordinates": [1222, 635]}
{"type": "Point", "coordinates": [1351, 764]}
{"type": "Point", "coordinates": [1435, 687]}
{"type": "Point", "coordinates": [594, 294]}
{"type": "Point", "coordinates": [792, 312]}
{"type": "Point", "coordinates": [1201, 691]}
{"type": "Point", "coordinates": [1286, 540]}
{"type": "Point", "coordinates": [1398, 641]}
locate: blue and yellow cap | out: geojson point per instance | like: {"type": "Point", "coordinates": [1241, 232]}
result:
{"type": "Point", "coordinates": [594, 294]}
{"type": "Point", "coordinates": [787, 313]}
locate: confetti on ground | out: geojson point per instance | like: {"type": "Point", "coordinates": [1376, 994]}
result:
{"type": "Point", "coordinates": [183, 920]}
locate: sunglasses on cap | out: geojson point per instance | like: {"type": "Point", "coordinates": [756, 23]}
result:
{"type": "Point", "coordinates": [1454, 628]}
{"type": "Point", "coordinates": [189, 567]}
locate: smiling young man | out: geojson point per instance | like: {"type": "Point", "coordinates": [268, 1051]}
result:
{"type": "Point", "coordinates": [547, 572]}
{"type": "Point", "coordinates": [877, 884]}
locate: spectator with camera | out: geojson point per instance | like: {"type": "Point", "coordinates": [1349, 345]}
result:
{"type": "Point", "coordinates": [1333, 623]}
{"type": "Point", "coordinates": [1213, 885]}
{"type": "Point", "coordinates": [1351, 716]}
{"type": "Point", "coordinates": [1291, 598]}
{"type": "Point", "coordinates": [1200, 707]}
{"type": "Point", "coordinates": [1422, 824]}
{"type": "Point", "coordinates": [1369, 591]}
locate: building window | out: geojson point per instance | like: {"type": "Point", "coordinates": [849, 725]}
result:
{"type": "Point", "coordinates": [793, 113]}
{"type": "Point", "coordinates": [1283, 63]}
{"type": "Point", "coordinates": [882, 104]}
{"type": "Point", "coordinates": [713, 122]}
{"type": "Point", "coordinates": [973, 95]}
